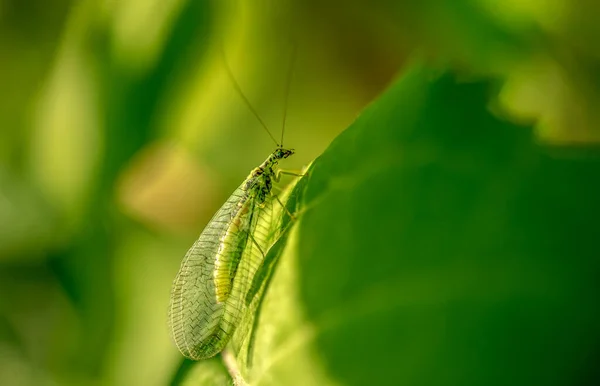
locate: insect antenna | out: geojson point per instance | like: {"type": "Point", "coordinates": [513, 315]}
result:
{"type": "Point", "coordinates": [287, 90]}
{"type": "Point", "coordinates": [246, 101]}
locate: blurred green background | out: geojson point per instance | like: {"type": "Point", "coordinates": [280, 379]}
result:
{"type": "Point", "coordinates": [120, 135]}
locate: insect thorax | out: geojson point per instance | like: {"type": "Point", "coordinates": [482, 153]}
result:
{"type": "Point", "coordinates": [260, 180]}
{"type": "Point", "coordinates": [259, 184]}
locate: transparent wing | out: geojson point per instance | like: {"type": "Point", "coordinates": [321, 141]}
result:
{"type": "Point", "coordinates": [208, 298]}
{"type": "Point", "coordinates": [195, 317]}
{"type": "Point", "coordinates": [263, 231]}
{"type": "Point", "coordinates": [272, 224]}
{"type": "Point", "coordinates": [255, 243]}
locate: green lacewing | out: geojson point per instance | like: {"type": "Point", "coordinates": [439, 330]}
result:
{"type": "Point", "coordinates": [209, 291]}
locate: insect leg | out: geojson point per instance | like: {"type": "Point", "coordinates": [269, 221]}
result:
{"type": "Point", "coordinates": [284, 207]}
{"type": "Point", "coordinates": [257, 246]}
{"type": "Point", "coordinates": [296, 173]}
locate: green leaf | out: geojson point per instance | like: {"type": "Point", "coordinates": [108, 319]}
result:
{"type": "Point", "coordinates": [436, 244]}
{"type": "Point", "coordinates": [210, 372]}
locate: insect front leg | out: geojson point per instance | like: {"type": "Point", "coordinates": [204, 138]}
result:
{"type": "Point", "coordinates": [295, 173]}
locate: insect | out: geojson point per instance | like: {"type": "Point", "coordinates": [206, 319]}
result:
{"type": "Point", "coordinates": [208, 293]}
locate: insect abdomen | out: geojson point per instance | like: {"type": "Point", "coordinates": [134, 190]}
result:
{"type": "Point", "coordinates": [230, 252]}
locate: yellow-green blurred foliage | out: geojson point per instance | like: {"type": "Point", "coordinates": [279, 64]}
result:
{"type": "Point", "coordinates": [120, 134]}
